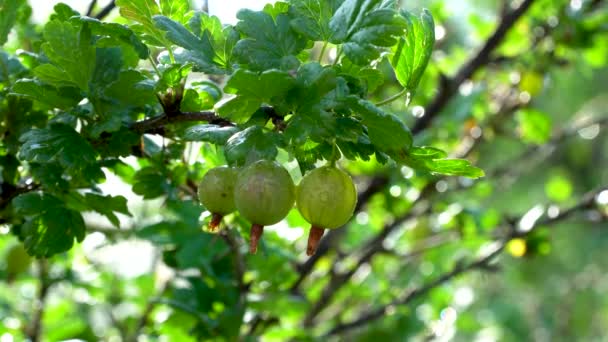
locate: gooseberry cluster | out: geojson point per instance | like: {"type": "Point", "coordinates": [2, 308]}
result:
{"type": "Point", "coordinates": [264, 193]}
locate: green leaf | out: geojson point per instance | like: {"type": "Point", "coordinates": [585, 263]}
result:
{"type": "Point", "coordinates": [9, 66]}
{"type": "Point", "coordinates": [150, 183]}
{"type": "Point", "coordinates": [313, 83]}
{"type": "Point", "coordinates": [60, 143]}
{"type": "Point", "coordinates": [62, 98]}
{"type": "Point", "coordinates": [534, 126]}
{"type": "Point", "coordinates": [214, 134]}
{"type": "Point", "coordinates": [250, 145]}
{"type": "Point", "coordinates": [361, 26]}
{"type": "Point", "coordinates": [252, 90]}
{"type": "Point", "coordinates": [434, 160]}
{"type": "Point", "coordinates": [132, 89]}
{"type": "Point", "coordinates": [8, 16]}
{"type": "Point", "coordinates": [51, 227]}
{"type": "Point", "coordinates": [69, 48]}
{"type": "Point", "coordinates": [222, 39]}
{"type": "Point", "coordinates": [175, 9]}
{"type": "Point", "coordinates": [118, 32]}
{"type": "Point", "coordinates": [197, 51]}
{"type": "Point", "coordinates": [142, 11]}
{"type": "Point", "coordinates": [386, 131]}
{"type": "Point", "coordinates": [361, 80]}
{"type": "Point", "coordinates": [559, 187]}
{"type": "Point", "coordinates": [311, 17]}
{"type": "Point", "coordinates": [316, 125]}
{"type": "Point", "coordinates": [107, 206]}
{"type": "Point", "coordinates": [269, 43]}
{"type": "Point", "coordinates": [412, 53]}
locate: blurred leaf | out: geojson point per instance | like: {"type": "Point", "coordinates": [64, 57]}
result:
{"type": "Point", "coordinates": [534, 126]}
{"type": "Point", "coordinates": [8, 16]}
{"type": "Point", "coordinates": [558, 188]}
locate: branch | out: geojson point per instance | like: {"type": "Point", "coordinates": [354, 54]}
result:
{"type": "Point", "coordinates": [106, 10]}
{"type": "Point", "coordinates": [480, 263]}
{"type": "Point", "coordinates": [34, 330]}
{"type": "Point", "coordinates": [91, 7]}
{"type": "Point", "coordinates": [11, 192]}
{"type": "Point", "coordinates": [450, 85]}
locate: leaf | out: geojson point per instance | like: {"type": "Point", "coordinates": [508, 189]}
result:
{"type": "Point", "coordinates": [361, 80]}
{"type": "Point", "coordinates": [361, 26]}
{"type": "Point", "coordinates": [222, 39]}
{"type": "Point", "coordinates": [214, 134]}
{"type": "Point", "coordinates": [8, 16]}
{"type": "Point", "coordinates": [197, 51]}
{"type": "Point", "coordinates": [60, 143]}
{"type": "Point", "coordinates": [107, 205]}
{"type": "Point", "coordinates": [250, 145]}
{"type": "Point", "coordinates": [51, 227]}
{"type": "Point", "coordinates": [386, 132]}
{"type": "Point", "coordinates": [132, 89]}
{"type": "Point", "coordinates": [316, 125]}
{"type": "Point", "coordinates": [412, 53]}
{"type": "Point", "coordinates": [434, 160]}
{"type": "Point", "coordinates": [142, 11]}
{"type": "Point", "coordinates": [62, 98]}
{"type": "Point", "coordinates": [534, 126]}
{"type": "Point", "coordinates": [269, 43]}
{"type": "Point", "coordinates": [118, 32]}
{"type": "Point", "coordinates": [9, 66]}
{"type": "Point", "coordinates": [311, 17]}
{"type": "Point", "coordinates": [252, 90]}
{"type": "Point", "coordinates": [150, 183]}
{"type": "Point", "coordinates": [71, 53]}
{"type": "Point", "coordinates": [175, 9]}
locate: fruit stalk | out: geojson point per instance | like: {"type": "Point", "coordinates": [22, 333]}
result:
{"type": "Point", "coordinates": [256, 234]}
{"type": "Point", "coordinates": [216, 219]}
{"type": "Point", "coordinates": [313, 239]}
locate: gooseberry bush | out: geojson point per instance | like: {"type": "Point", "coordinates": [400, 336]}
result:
{"type": "Point", "coordinates": [237, 123]}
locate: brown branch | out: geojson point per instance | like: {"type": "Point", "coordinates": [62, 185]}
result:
{"type": "Point", "coordinates": [449, 86]}
{"type": "Point", "coordinates": [460, 268]}
{"type": "Point", "coordinates": [14, 192]}
{"type": "Point", "coordinates": [156, 125]}
{"type": "Point", "coordinates": [106, 10]}
{"type": "Point", "coordinates": [34, 330]}
{"type": "Point", "coordinates": [91, 8]}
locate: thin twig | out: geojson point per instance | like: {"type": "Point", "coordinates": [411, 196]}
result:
{"type": "Point", "coordinates": [106, 10]}
{"type": "Point", "coordinates": [91, 8]}
{"type": "Point", "coordinates": [34, 330]}
{"type": "Point", "coordinates": [450, 86]}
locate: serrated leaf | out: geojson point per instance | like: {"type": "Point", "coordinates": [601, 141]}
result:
{"type": "Point", "coordinates": [142, 11]}
{"type": "Point", "coordinates": [412, 53]}
{"type": "Point", "coordinates": [196, 50]}
{"type": "Point", "coordinates": [51, 228]}
{"type": "Point", "coordinates": [62, 98]}
{"type": "Point", "coordinates": [268, 43]}
{"type": "Point", "coordinates": [118, 32]}
{"type": "Point", "coordinates": [361, 80]}
{"type": "Point", "coordinates": [68, 45]}
{"type": "Point", "coordinates": [311, 17]}
{"type": "Point", "coordinates": [175, 9]}
{"type": "Point", "coordinates": [132, 89]}
{"type": "Point", "coordinates": [107, 206]}
{"type": "Point", "coordinates": [362, 26]}
{"type": "Point", "coordinates": [386, 132]}
{"type": "Point", "coordinates": [252, 90]}
{"type": "Point", "coordinates": [316, 125]}
{"type": "Point", "coordinates": [250, 145]}
{"type": "Point", "coordinates": [222, 39]}
{"type": "Point", "coordinates": [8, 16]}
{"type": "Point", "coordinates": [150, 183]}
{"type": "Point", "coordinates": [58, 142]}
{"type": "Point", "coordinates": [214, 134]}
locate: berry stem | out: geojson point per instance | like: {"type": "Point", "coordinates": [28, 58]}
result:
{"type": "Point", "coordinates": [256, 234]}
{"type": "Point", "coordinates": [216, 219]}
{"type": "Point", "coordinates": [313, 239]}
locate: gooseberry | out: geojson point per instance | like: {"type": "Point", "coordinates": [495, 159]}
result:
{"type": "Point", "coordinates": [216, 193]}
{"type": "Point", "coordinates": [326, 198]}
{"type": "Point", "coordinates": [264, 193]}
{"type": "Point", "coordinates": [17, 261]}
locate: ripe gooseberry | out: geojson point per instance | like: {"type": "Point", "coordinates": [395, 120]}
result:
{"type": "Point", "coordinates": [326, 198]}
{"type": "Point", "coordinates": [264, 193]}
{"type": "Point", "coordinates": [216, 193]}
